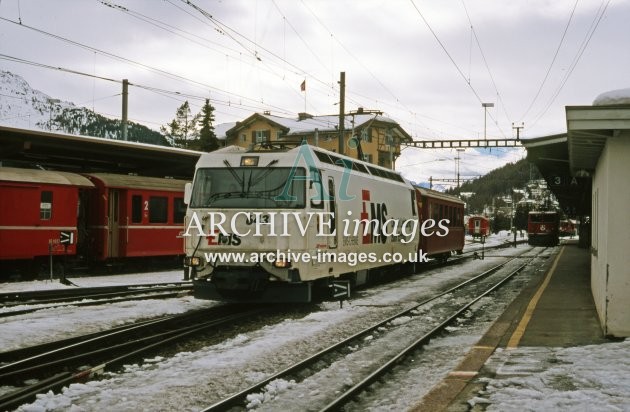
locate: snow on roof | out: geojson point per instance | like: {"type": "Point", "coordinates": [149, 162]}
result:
{"type": "Point", "coordinates": [324, 123]}
{"type": "Point", "coordinates": [620, 96]}
{"type": "Point", "coordinates": [221, 129]}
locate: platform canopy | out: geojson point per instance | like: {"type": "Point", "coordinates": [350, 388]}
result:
{"type": "Point", "coordinates": [588, 128]}
{"type": "Point", "coordinates": [550, 154]}
{"type": "Point", "coordinates": [56, 151]}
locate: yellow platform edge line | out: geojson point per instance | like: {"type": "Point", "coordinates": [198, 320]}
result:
{"type": "Point", "coordinates": [516, 337]}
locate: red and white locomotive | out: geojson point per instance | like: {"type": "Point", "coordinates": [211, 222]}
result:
{"type": "Point", "coordinates": [61, 217]}
{"type": "Point", "coordinates": [267, 225]}
{"type": "Point", "coordinates": [543, 228]}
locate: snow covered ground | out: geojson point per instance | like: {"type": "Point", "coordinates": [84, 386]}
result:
{"type": "Point", "coordinates": [587, 378]}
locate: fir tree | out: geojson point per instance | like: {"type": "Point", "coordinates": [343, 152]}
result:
{"type": "Point", "coordinates": [207, 141]}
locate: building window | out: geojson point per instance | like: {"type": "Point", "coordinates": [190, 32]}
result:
{"type": "Point", "coordinates": [261, 136]}
{"type": "Point", "coordinates": [366, 135]}
{"type": "Point", "coordinates": [136, 209]}
{"type": "Point", "coordinates": [367, 158]}
{"type": "Point", "coordinates": [279, 135]}
{"type": "Point", "coordinates": [158, 209]}
{"type": "Point", "coordinates": [243, 137]}
{"type": "Point", "coordinates": [45, 205]}
{"type": "Point", "coordinates": [179, 210]}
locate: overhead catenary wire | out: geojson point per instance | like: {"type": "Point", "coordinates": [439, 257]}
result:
{"type": "Point", "coordinates": [553, 60]}
{"type": "Point", "coordinates": [485, 62]}
{"type": "Point", "coordinates": [452, 60]}
{"type": "Point", "coordinates": [587, 38]}
{"type": "Point", "coordinates": [226, 103]}
{"type": "Point", "coordinates": [159, 71]}
{"type": "Point", "coordinates": [260, 49]}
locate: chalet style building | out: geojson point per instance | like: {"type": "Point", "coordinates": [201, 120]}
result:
{"type": "Point", "coordinates": [380, 136]}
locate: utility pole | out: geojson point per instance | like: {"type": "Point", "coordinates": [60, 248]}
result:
{"type": "Point", "coordinates": [342, 108]}
{"type": "Point", "coordinates": [125, 93]}
{"type": "Point", "coordinates": [518, 130]}
{"type": "Point", "coordinates": [457, 162]}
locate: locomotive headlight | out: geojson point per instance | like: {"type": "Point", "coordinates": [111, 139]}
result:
{"type": "Point", "coordinates": [193, 261]}
{"type": "Point", "coordinates": [249, 161]}
{"type": "Point", "coordinates": [282, 264]}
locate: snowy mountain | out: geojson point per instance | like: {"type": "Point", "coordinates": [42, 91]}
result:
{"type": "Point", "coordinates": [23, 107]}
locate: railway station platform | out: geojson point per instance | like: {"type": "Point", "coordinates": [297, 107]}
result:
{"type": "Point", "coordinates": [555, 310]}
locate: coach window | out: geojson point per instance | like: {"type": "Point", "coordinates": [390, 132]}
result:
{"type": "Point", "coordinates": [158, 209]}
{"type": "Point", "coordinates": [45, 205]}
{"type": "Point", "coordinates": [136, 209]}
{"type": "Point", "coordinates": [179, 210]}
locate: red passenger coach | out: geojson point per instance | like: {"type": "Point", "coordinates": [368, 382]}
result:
{"type": "Point", "coordinates": [39, 214]}
{"type": "Point", "coordinates": [133, 216]}
{"type": "Point", "coordinates": [438, 206]}
{"type": "Point", "coordinates": [478, 227]}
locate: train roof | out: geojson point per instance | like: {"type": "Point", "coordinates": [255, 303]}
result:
{"type": "Point", "coordinates": [541, 212]}
{"type": "Point", "coordinates": [321, 156]}
{"type": "Point", "coordinates": [138, 182]}
{"type": "Point", "coordinates": [14, 174]}
{"type": "Point", "coordinates": [438, 195]}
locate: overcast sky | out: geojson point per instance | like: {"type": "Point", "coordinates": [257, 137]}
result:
{"type": "Point", "coordinates": [417, 61]}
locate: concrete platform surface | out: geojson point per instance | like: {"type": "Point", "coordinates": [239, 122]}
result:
{"type": "Point", "coordinates": [555, 311]}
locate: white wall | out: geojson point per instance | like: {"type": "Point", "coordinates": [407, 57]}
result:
{"type": "Point", "coordinates": [610, 259]}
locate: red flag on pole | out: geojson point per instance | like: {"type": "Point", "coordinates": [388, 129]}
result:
{"type": "Point", "coordinates": [303, 86]}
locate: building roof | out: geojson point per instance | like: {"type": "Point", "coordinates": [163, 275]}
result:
{"type": "Point", "coordinates": [307, 124]}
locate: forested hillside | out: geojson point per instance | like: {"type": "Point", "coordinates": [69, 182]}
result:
{"type": "Point", "coordinates": [497, 183]}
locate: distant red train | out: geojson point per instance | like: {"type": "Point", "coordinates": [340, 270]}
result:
{"type": "Point", "coordinates": [436, 205]}
{"type": "Point", "coordinates": [568, 228]}
{"type": "Point", "coordinates": [478, 227]}
{"type": "Point", "coordinates": [543, 228]}
{"type": "Point", "coordinates": [97, 217]}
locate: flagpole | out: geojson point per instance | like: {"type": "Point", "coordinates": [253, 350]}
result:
{"type": "Point", "coordinates": [303, 88]}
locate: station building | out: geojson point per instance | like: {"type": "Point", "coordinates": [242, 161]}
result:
{"type": "Point", "coordinates": [380, 136]}
{"type": "Point", "coordinates": [588, 169]}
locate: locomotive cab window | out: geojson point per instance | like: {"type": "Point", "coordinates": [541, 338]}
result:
{"type": "Point", "coordinates": [45, 205]}
{"type": "Point", "coordinates": [158, 209]}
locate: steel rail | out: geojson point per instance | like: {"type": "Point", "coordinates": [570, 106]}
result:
{"type": "Point", "coordinates": [238, 398]}
{"type": "Point", "coordinates": [352, 392]}
{"type": "Point", "coordinates": [13, 399]}
{"type": "Point", "coordinates": [145, 296]}
{"type": "Point", "coordinates": [9, 299]}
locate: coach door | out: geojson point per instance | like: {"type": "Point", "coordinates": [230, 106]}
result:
{"type": "Point", "coordinates": [332, 208]}
{"type": "Point", "coordinates": [477, 226]}
{"type": "Point", "coordinates": [112, 224]}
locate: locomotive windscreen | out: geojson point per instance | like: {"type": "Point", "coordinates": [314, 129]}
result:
{"type": "Point", "coordinates": [249, 188]}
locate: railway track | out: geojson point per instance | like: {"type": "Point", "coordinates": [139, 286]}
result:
{"type": "Point", "coordinates": [47, 299]}
{"type": "Point", "coordinates": [486, 283]}
{"type": "Point", "coordinates": [57, 364]}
